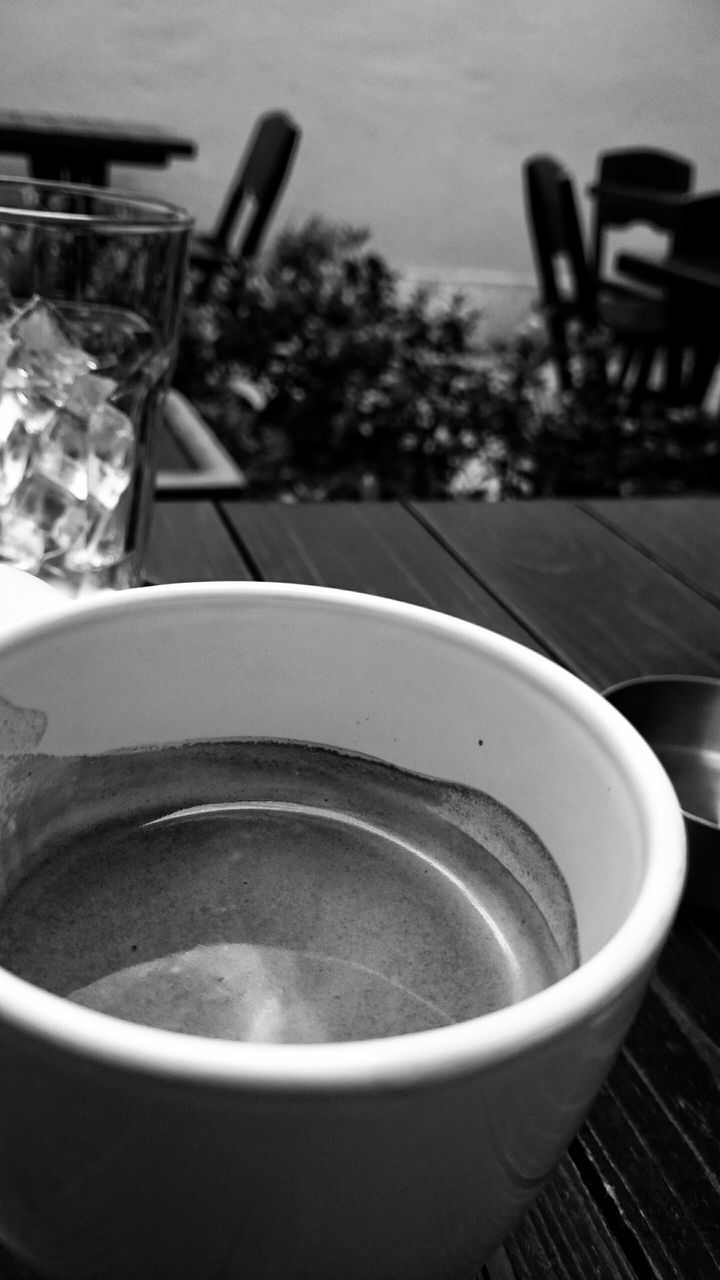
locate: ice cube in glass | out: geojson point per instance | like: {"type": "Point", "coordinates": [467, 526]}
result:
{"type": "Point", "coordinates": [14, 445]}
{"type": "Point", "coordinates": [62, 454]}
{"type": "Point", "coordinates": [111, 454]}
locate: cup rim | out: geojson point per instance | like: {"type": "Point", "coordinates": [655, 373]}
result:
{"type": "Point", "coordinates": [393, 1061]}
{"type": "Point", "coordinates": [168, 217]}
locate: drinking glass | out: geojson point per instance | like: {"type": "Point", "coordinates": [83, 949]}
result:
{"type": "Point", "coordinates": [91, 291]}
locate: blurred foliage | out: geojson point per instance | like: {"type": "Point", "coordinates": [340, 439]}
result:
{"type": "Point", "coordinates": [325, 378]}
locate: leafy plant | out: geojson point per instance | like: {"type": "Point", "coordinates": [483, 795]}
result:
{"type": "Point", "coordinates": [325, 379]}
{"type": "Point", "coordinates": [547, 442]}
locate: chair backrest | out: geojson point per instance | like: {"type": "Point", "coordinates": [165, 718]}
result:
{"type": "Point", "coordinates": [556, 235]}
{"type": "Point", "coordinates": [697, 234]}
{"type": "Point", "coordinates": [695, 311]}
{"type": "Point", "coordinates": [260, 176]}
{"type": "Point", "coordinates": [648, 168]}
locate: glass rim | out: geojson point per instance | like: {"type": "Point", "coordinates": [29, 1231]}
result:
{"type": "Point", "coordinates": [169, 218]}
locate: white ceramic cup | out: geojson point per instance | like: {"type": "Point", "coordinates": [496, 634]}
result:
{"type": "Point", "coordinates": [129, 1151]}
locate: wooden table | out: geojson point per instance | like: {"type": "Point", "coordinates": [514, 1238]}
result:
{"type": "Point", "coordinates": [611, 589]}
{"type": "Point", "coordinates": [75, 149]}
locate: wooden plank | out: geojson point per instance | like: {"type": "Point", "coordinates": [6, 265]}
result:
{"type": "Point", "coordinates": [564, 1236]}
{"type": "Point", "coordinates": [191, 462]}
{"type": "Point", "coordinates": [170, 453]}
{"type": "Point", "coordinates": [680, 533]}
{"type": "Point", "coordinates": [194, 442]}
{"type": "Point", "coordinates": [657, 1202]}
{"type": "Point", "coordinates": [689, 977]}
{"type": "Point", "coordinates": [644, 1197]}
{"type": "Point", "coordinates": [650, 1150]}
{"type": "Point", "coordinates": [602, 606]}
{"type": "Point", "coordinates": [371, 547]}
{"type": "Point", "coordinates": [190, 543]}
{"type": "Point", "coordinates": [648, 1157]}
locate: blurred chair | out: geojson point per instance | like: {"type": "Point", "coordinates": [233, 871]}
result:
{"type": "Point", "coordinates": [252, 197]}
{"type": "Point", "coordinates": [655, 182]}
{"type": "Point", "coordinates": [568, 290]}
{"type": "Point", "coordinates": [690, 279]}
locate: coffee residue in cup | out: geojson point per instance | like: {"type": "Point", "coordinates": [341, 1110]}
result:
{"type": "Point", "coordinates": [277, 891]}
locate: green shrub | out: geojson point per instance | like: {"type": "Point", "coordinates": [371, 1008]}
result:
{"type": "Point", "coordinates": [322, 382]}
{"type": "Point", "coordinates": [324, 379]}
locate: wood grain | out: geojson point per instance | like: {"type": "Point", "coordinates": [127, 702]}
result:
{"type": "Point", "coordinates": [680, 533]}
{"type": "Point", "coordinates": [190, 543]}
{"type": "Point", "coordinates": [603, 607]}
{"type": "Point", "coordinates": [170, 454]}
{"type": "Point", "coordinates": [371, 547]}
{"type": "Point", "coordinates": [564, 1235]}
